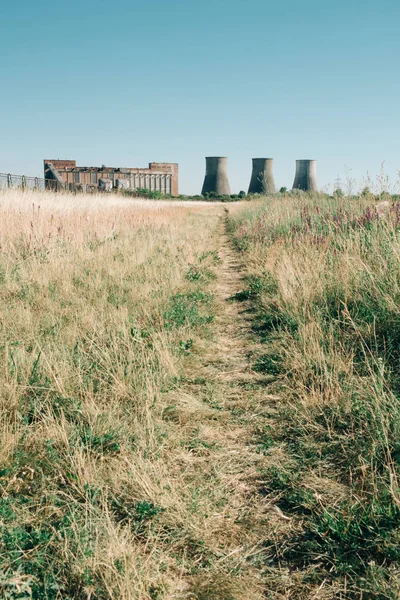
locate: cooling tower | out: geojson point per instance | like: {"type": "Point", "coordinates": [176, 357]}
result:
{"type": "Point", "coordinates": [306, 176]}
{"type": "Point", "coordinates": [262, 177]}
{"type": "Point", "coordinates": [216, 179]}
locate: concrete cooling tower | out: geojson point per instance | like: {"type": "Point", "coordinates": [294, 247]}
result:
{"type": "Point", "coordinates": [306, 176]}
{"type": "Point", "coordinates": [216, 179]}
{"type": "Point", "coordinates": [262, 178]}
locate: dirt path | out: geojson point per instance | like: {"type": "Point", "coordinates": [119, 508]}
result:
{"type": "Point", "coordinates": [233, 465]}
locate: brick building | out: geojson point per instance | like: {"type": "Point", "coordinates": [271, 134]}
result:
{"type": "Point", "coordinates": [161, 177]}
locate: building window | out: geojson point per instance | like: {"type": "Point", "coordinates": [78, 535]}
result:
{"type": "Point", "coordinates": [93, 177]}
{"type": "Point", "coordinates": [76, 176]}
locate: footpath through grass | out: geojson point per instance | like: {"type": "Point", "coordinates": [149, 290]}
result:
{"type": "Point", "coordinates": [324, 279]}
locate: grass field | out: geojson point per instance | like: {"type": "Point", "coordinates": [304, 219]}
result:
{"type": "Point", "coordinates": [198, 404]}
{"type": "Point", "coordinates": [99, 307]}
{"type": "Point", "coordinates": [324, 278]}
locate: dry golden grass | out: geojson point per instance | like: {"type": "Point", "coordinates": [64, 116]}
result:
{"type": "Point", "coordinates": [152, 446]}
{"type": "Point", "coordinates": [102, 492]}
{"type": "Point", "coordinates": [324, 277]}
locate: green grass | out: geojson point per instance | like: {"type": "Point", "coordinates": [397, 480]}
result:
{"type": "Point", "coordinates": [324, 280]}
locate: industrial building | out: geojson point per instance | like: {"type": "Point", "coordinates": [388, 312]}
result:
{"type": "Point", "coordinates": [160, 177]}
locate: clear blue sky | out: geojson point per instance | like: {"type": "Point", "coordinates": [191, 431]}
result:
{"type": "Point", "coordinates": [127, 82]}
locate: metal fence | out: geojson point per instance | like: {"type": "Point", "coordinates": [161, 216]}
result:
{"type": "Point", "coordinates": [22, 182]}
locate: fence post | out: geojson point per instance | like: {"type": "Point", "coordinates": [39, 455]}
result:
{"type": "Point", "coordinates": [9, 181]}
{"type": "Point", "coordinates": [23, 182]}
{"type": "Point", "coordinates": [36, 183]}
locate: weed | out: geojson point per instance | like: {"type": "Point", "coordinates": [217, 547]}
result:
{"type": "Point", "coordinates": [184, 310]}
{"type": "Point", "coordinates": [213, 254]}
{"type": "Point", "coordinates": [196, 273]}
{"type": "Point", "coordinates": [101, 444]}
{"type": "Point", "coordinates": [268, 363]}
{"type": "Point", "coordinates": [185, 346]}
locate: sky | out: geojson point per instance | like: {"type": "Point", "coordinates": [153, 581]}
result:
{"type": "Point", "coordinates": [124, 83]}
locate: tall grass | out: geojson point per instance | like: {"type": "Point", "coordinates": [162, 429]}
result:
{"type": "Point", "coordinates": [324, 275]}
{"type": "Point", "coordinates": [100, 304]}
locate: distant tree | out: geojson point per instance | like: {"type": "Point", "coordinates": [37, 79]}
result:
{"type": "Point", "coordinates": [283, 190]}
{"type": "Point", "coordinates": [242, 194]}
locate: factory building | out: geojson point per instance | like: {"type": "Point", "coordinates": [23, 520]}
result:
{"type": "Point", "coordinates": [160, 177]}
